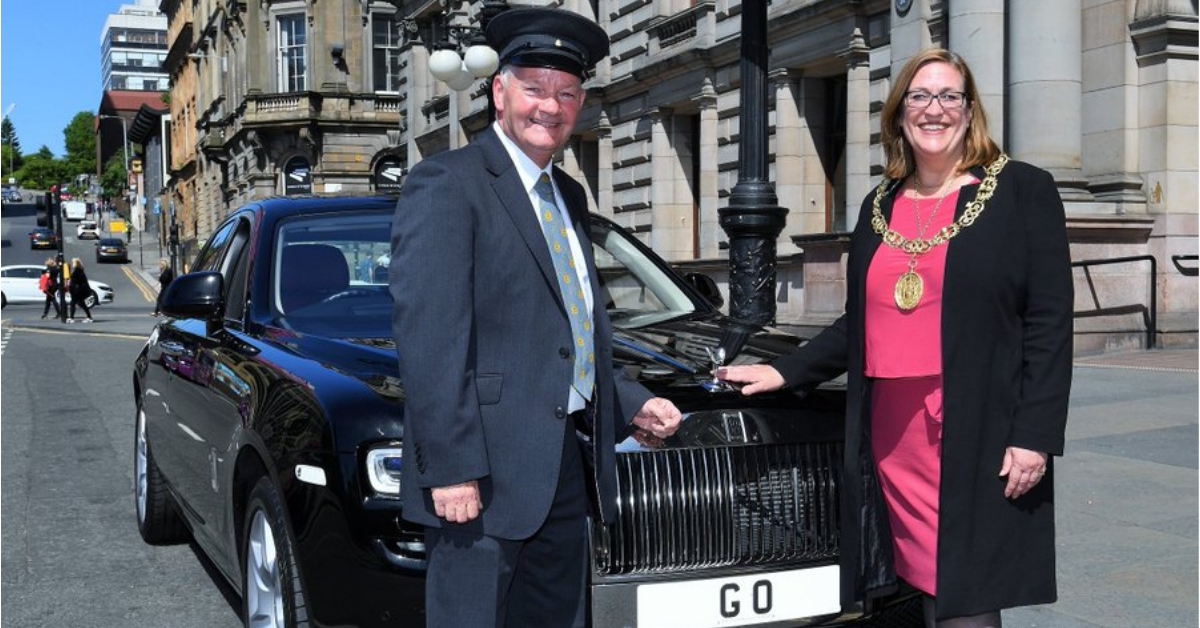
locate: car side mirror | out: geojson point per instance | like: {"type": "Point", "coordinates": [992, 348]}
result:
{"type": "Point", "coordinates": [706, 287]}
{"type": "Point", "coordinates": [195, 295]}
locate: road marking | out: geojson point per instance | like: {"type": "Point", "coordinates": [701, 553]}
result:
{"type": "Point", "coordinates": [76, 331]}
{"type": "Point", "coordinates": [4, 336]}
{"type": "Point", "coordinates": [141, 284]}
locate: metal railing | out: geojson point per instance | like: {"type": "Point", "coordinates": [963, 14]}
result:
{"type": "Point", "coordinates": [1150, 314]}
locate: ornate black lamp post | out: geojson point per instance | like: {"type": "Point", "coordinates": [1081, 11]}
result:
{"type": "Point", "coordinates": [753, 218]}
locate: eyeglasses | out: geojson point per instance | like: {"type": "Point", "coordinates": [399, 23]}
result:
{"type": "Point", "coordinates": [922, 99]}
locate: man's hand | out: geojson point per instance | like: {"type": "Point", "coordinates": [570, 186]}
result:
{"type": "Point", "coordinates": [659, 416]}
{"type": "Point", "coordinates": [459, 503]}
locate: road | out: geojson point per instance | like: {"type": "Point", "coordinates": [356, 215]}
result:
{"type": "Point", "coordinates": [72, 555]}
{"type": "Point", "coordinates": [1127, 487]}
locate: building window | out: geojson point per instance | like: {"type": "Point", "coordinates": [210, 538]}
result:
{"type": "Point", "coordinates": [290, 45]}
{"type": "Point", "coordinates": [385, 52]}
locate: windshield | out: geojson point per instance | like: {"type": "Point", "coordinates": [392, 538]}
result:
{"type": "Point", "coordinates": [332, 277]}
{"type": "Point", "coordinates": [638, 291]}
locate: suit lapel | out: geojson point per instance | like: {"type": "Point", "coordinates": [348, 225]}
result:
{"type": "Point", "coordinates": [514, 199]}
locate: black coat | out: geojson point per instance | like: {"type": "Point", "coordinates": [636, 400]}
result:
{"type": "Point", "coordinates": [78, 285]}
{"type": "Point", "coordinates": [1006, 362]}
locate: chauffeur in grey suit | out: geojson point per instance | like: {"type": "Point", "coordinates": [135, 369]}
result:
{"type": "Point", "coordinates": [512, 405]}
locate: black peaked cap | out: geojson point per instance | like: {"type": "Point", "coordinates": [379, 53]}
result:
{"type": "Point", "coordinates": [559, 39]}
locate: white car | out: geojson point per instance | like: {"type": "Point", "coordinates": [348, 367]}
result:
{"type": "Point", "coordinates": [19, 284]}
{"type": "Point", "coordinates": [87, 230]}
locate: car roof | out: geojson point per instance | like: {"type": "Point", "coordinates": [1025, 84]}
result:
{"type": "Point", "coordinates": [282, 206]}
{"type": "Point", "coordinates": [110, 241]}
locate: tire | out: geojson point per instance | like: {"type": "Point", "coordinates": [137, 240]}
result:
{"type": "Point", "coordinates": [272, 592]}
{"type": "Point", "coordinates": [3, 300]}
{"type": "Point", "coordinates": [158, 517]}
{"type": "Point", "coordinates": [91, 300]}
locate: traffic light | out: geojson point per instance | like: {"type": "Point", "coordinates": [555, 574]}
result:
{"type": "Point", "coordinates": [43, 211]}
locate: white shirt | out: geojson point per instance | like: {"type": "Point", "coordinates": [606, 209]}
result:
{"type": "Point", "coordinates": [530, 173]}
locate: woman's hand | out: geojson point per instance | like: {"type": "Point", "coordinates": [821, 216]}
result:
{"type": "Point", "coordinates": [753, 378]}
{"type": "Point", "coordinates": [1024, 469]}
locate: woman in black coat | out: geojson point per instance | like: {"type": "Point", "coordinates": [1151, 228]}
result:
{"type": "Point", "coordinates": [80, 290]}
{"type": "Point", "coordinates": [165, 276]}
{"type": "Point", "coordinates": [956, 343]}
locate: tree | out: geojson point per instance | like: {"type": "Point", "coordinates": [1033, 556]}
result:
{"type": "Point", "coordinates": [41, 170]}
{"type": "Point", "coordinates": [115, 181]}
{"type": "Point", "coordinates": [11, 147]}
{"type": "Point", "coordinates": [80, 140]}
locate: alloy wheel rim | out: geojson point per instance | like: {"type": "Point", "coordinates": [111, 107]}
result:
{"type": "Point", "coordinates": [140, 464]}
{"type": "Point", "coordinates": [264, 589]}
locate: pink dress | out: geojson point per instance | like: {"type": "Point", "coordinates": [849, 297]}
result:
{"type": "Point", "coordinates": [904, 359]}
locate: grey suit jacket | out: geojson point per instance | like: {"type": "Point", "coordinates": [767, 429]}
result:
{"type": "Point", "coordinates": [485, 345]}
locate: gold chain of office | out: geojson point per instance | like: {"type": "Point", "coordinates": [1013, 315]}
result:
{"type": "Point", "coordinates": [920, 246]}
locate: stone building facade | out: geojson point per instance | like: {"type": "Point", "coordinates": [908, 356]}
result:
{"type": "Point", "coordinates": [337, 98]}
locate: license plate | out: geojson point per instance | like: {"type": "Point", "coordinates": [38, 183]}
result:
{"type": "Point", "coordinates": [741, 600]}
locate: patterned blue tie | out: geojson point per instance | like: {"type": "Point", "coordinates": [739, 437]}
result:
{"type": "Point", "coordinates": [572, 290]}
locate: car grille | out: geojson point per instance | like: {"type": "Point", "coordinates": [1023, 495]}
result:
{"type": "Point", "coordinates": [711, 507]}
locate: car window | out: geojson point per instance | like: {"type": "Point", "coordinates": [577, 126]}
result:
{"type": "Point", "coordinates": [210, 255]}
{"type": "Point", "coordinates": [329, 274]}
{"type": "Point", "coordinates": [637, 290]}
{"type": "Point", "coordinates": [235, 270]}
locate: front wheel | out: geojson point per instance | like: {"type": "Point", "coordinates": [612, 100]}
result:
{"type": "Point", "coordinates": [158, 518]}
{"type": "Point", "coordinates": [91, 300]}
{"type": "Point", "coordinates": [272, 593]}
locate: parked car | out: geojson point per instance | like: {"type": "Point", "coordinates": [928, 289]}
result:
{"type": "Point", "coordinates": [19, 284]}
{"type": "Point", "coordinates": [87, 230]}
{"type": "Point", "coordinates": [269, 422]}
{"type": "Point", "coordinates": [111, 250]}
{"type": "Point", "coordinates": [11, 195]}
{"type": "Point", "coordinates": [43, 238]}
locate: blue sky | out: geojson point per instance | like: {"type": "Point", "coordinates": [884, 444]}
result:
{"type": "Point", "coordinates": [50, 65]}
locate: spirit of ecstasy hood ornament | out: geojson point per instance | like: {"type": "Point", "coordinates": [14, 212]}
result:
{"type": "Point", "coordinates": [716, 355]}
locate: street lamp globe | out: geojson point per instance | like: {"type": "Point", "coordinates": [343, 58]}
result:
{"type": "Point", "coordinates": [481, 60]}
{"type": "Point", "coordinates": [445, 64]}
{"type": "Point", "coordinates": [462, 80]}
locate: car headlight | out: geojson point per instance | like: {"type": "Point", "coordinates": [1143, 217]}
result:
{"type": "Point", "coordinates": [383, 470]}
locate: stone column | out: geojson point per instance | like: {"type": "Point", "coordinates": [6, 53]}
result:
{"type": "Point", "coordinates": [710, 227]}
{"type": "Point", "coordinates": [671, 217]}
{"type": "Point", "coordinates": [604, 165]}
{"type": "Point", "coordinates": [790, 174]}
{"type": "Point", "coordinates": [858, 127]}
{"type": "Point", "coordinates": [419, 79]}
{"type": "Point", "coordinates": [910, 32]}
{"type": "Point", "coordinates": [1045, 92]}
{"type": "Point", "coordinates": [977, 34]}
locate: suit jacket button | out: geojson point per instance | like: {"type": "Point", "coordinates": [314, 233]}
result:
{"type": "Point", "coordinates": [560, 413]}
{"type": "Point", "coordinates": [564, 352]}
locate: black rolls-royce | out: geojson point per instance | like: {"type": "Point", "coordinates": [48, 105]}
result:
{"type": "Point", "coordinates": [269, 423]}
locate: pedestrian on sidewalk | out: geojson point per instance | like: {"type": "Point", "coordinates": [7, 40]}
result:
{"type": "Point", "coordinates": [80, 290]}
{"type": "Point", "coordinates": [165, 276]}
{"type": "Point", "coordinates": [51, 283]}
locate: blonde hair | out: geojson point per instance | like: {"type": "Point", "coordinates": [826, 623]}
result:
{"type": "Point", "coordinates": [978, 147]}
{"type": "Point", "coordinates": [76, 262]}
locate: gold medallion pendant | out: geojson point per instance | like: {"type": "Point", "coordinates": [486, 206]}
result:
{"type": "Point", "coordinates": [909, 289]}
